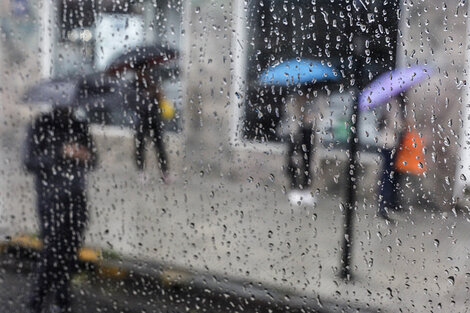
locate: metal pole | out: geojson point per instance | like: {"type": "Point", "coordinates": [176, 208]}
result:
{"type": "Point", "coordinates": [352, 178]}
{"type": "Point", "coordinates": [358, 45]}
{"type": "Point", "coordinates": [357, 48]}
{"type": "Point", "coordinates": [361, 35]}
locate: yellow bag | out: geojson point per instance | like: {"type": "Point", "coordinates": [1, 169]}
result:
{"type": "Point", "coordinates": [168, 111]}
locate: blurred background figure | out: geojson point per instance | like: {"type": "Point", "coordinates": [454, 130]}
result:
{"type": "Point", "coordinates": [301, 142]}
{"type": "Point", "coordinates": [391, 125]}
{"type": "Point", "coordinates": [401, 148]}
{"type": "Point", "coordinates": [398, 143]}
{"type": "Point", "coordinates": [305, 81]}
{"type": "Point", "coordinates": [146, 62]}
{"type": "Point", "coordinates": [59, 151]}
{"type": "Point", "coordinates": [149, 122]}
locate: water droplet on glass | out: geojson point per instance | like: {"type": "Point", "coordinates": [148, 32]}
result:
{"type": "Point", "coordinates": [451, 280]}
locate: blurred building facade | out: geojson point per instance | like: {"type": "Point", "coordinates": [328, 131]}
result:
{"type": "Point", "coordinates": [219, 134]}
{"type": "Point", "coordinates": [424, 38]}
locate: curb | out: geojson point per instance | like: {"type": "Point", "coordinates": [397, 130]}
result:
{"type": "Point", "coordinates": [235, 292]}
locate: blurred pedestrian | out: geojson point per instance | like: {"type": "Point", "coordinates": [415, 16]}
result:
{"type": "Point", "coordinates": [391, 125]}
{"type": "Point", "coordinates": [149, 122]}
{"type": "Point", "coordinates": [301, 109]}
{"type": "Point", "coordinates": [59, 152]}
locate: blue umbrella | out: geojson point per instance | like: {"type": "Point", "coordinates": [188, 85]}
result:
{"type": "Point", "coordinates": [293, 72]}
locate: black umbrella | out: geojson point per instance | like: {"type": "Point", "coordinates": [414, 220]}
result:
{"type": "Point", "coordinates": [138, 56]}
{"type": "Point", "coordinates": [54, 92]}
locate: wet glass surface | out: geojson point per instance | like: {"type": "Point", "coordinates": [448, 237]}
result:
{"type": "Point", "coordinates": [219, 156]}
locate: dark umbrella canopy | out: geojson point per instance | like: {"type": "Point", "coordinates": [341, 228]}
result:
{"type": "Point", "coordinates": [66, 91]}
{"type": "Point", "coordinates": [142, 55]}
{"type": "Point", "coordinates": [56, 93]}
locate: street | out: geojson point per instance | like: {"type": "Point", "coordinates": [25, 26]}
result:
{"type": "Point", "coordinates": [93, 292]}
{"type": "Point", "coordinates": [246, 229]}
{"type": "Point", "coordinates": [247, 107]}
{"type": "Point", "coordinates": [97, 294]}
{"type": "Point", "coordinates": [236, 230]}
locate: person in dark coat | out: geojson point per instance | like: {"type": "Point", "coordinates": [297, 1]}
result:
{"type": "Point", "coordinates": [149, 123]}
{"type": "Point", "coordinates": [59, 152]}
{"type": "Point", "coordinates": [392, 124]}
{"type": "Point", "coordinates": [300, 124]}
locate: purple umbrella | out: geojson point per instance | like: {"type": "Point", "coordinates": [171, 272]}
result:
{"type": "Point", "coordinates": [390, 84]}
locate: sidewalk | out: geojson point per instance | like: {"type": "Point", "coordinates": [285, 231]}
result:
{"type": "Point", "coordinates": [112, 279]}
{"type": "Point", "coordinates": [244, 232]}
{"type": "Point", "coordinates": [247, 231]}
{"type": "Point", "coordinates": [239, 230]}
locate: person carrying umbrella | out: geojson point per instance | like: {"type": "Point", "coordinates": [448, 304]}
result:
{"type": "Point", "coordinates": [149, 123]}
{"type": "Point", "coordinates": [143, 61]}
{"type": "Point", "coordinates": [391, 126]}
{"type": "Point", "coordinates": [300, 77]}
{"type": "Point", "coordinates": [387, 93]}
{"type": "Point", "coordinates": [59, 151]}
{"type": "Point", "coordinates": [300, 122]}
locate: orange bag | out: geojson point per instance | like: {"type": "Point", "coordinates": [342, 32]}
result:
{"type": "Point", "coordinates": [410, 157]}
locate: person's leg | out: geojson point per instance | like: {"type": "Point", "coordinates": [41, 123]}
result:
{"type": "Point", "coordinates": [44, 274]}
{"type": "Point", "coordinates": [157, 138]}
{"type": "Point", "coordinates": [386, 194]}
{"type": "Point", "coordinates": [396, 178]}
{"type": "Point", "coordinates": [71, 233]}
{"type": "Point", "coordinates": [291, 164]}
{"type": "Point", "coordinates": [63, 274]}
{"type": "Point", "coordinates": [302, 150]}
{"type": "Point", "coordinates": [43, 280]}
{"type": "Point", "coordinates": [139, 145]}
{"type": "Point", "coordinates": [307, 151]}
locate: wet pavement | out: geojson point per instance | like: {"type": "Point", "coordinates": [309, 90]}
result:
{"type": "Point", "coordinates": [92, 292]}
{"type": "Point", "coordinates": [241, 231]}
{"type": "Point", "coordinates": [246, 229]}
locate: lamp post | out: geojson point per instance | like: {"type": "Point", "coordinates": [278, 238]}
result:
{"type": "Point", "coordinates": [372, 49]}
{"type": "Point", "coordinates": [353, 140]}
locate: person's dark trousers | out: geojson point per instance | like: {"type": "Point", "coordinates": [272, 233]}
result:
{"type": "Point", "coordinates": [63, 219]}
{"type": "Point", "coordinates": [388, 195]}
{"type": "Point", "coordinates": [154, 129]}
{"type": "Point", "coordinates": [299, 156]}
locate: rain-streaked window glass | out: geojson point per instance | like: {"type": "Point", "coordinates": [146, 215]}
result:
{"type": "Point", "coordinates": [93, 35]}
{"type": "Point", "coordinates": [312, 36]}
{"type": "Point", "coordinates": [234, 156]}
